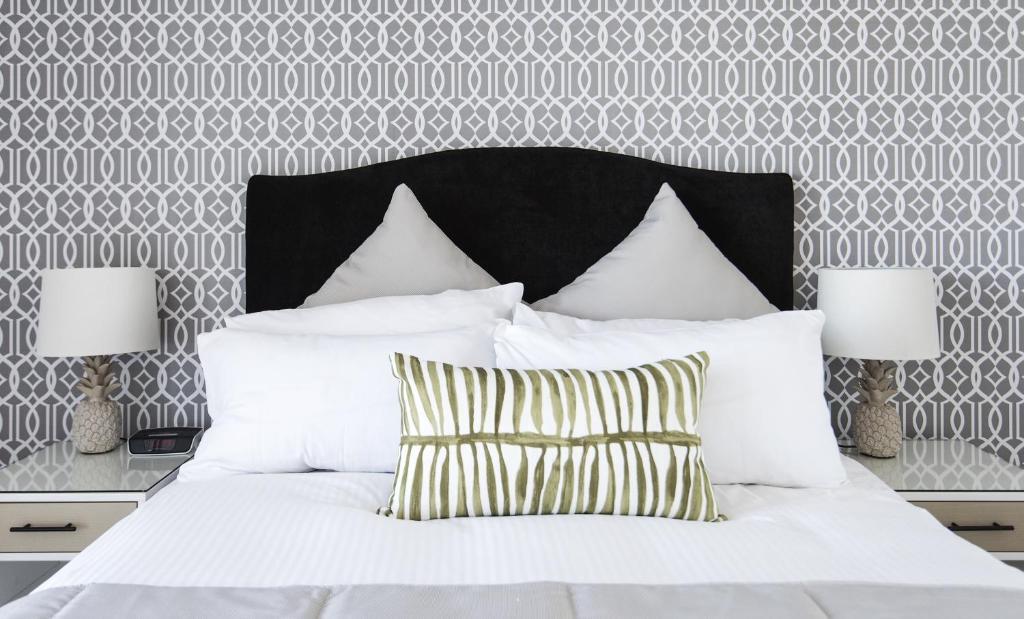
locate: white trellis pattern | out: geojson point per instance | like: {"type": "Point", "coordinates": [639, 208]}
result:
{"type": "Point", "coordinates": [129, 127]}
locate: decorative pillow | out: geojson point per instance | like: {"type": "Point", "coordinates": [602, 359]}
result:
{"type": "Point", "coordinates": [666, 268]}
{"type": "Point", "coordinates": [406, 254]}
{"type": "Point", "coordinates": [290, 403]}
{"type": "Point", "coordinates": [451, 309]}
{"type": "Point", "coordinates": [764, 419]}
{"type": "Point", "coordinates": [495, 442]}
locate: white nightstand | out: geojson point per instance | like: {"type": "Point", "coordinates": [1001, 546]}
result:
{"type": "Point", "coordinates": [974, 493]}
{"type": "Point", "coordinates": [57, 501]}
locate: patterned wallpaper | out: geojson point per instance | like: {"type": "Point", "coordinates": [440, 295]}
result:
{"type": "Point", "coordinates": [128, 130]}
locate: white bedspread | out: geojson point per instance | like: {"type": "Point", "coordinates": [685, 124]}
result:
{"type": "Point", "coordinates": [321, 529]}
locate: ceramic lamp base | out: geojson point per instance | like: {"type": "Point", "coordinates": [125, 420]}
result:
{"type": "Point", "coordinates": [96, 426]}
{"type": "Point", "coordinates": [877, 430]}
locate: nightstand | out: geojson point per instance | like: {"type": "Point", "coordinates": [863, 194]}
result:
{"type": "Point", "coordinates": [57, 501]}
{"type": "Point", "coordinates": [974, 493]}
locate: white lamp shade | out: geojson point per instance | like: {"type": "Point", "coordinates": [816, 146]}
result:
{"type": "Point", "coordinates": [97, 312]}
{"type": "Point", "coordinates": [885, 314]}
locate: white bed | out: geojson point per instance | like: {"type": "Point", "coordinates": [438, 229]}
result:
{"type": "Point", "coordinates": [321, 529]}
{"type": "Point", "coordinates": [294, 389]}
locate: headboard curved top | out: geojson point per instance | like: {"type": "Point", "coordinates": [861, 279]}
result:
{"type": "Point", "coordinates": [539, 215]}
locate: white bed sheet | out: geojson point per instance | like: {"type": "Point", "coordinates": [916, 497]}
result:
{"type": "Point", "coordinates": [321, 529]}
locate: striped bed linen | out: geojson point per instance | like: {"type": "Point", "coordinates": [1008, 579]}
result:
{"type": "Point", "coordinates": [322, 529]}
{"type": "Point", "coordinates": [539, 599]}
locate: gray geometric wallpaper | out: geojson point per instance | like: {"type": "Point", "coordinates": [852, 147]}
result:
{"type": "Point", "coordinates": [129, 128]}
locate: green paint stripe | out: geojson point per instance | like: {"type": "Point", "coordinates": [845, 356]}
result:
{"type": "Point", "coordinates": [655, 482]}
{"type": "Point", "coordinates": [499, 397]}
{"type": "Point", "coordinates": [641, 482]}
{"type": "Point", "coordinates": [460, 501]}
{"type": "Point", "coordinates": [417, 485]}
{"type": "Point", "coordinates": [538, 481]}
{"type": "Point", "coordinates": [661, 392]}
{"type": "Point", "coordinates": [432, 509]}
{"type": "Point", "coordinates": [467, 380]}
{"type": "Point", "coordinates": [536, 390]}
{"type": "Point", "coordinates": [478, 505]}
{"type": "Point", "coordinates": [609, 497]}
{"type": "Point", "coordinates": [570, 400]}
{"type": "Point", "coordinates": [444, 483]}
{"type": "Point", "coordinates": [421, 388]}
{"type": "Point", "coordinates": [399, 366]}
{"type": "Point", "coordinates": [670, 483]}
{"type": "Point", "coordinates": [568, 472]}
{"type": "Point", "coordinates": [601, 411]}
{"type": "Point", "coordinates": [503, 474]}
{"type": "Point", "coordinates": [481, 376]}
{"type": "Point", "coordinates": [552, 484]}
{"type": "Point", "coordinates": [615, 388]}
{"type": "Point", "coordinates": [518, 400]}
{"type": "Point", "coordinates": [452, 401]}
{"type": "Point", "coordinates": [554, 388]}
{"type": "Point", "coordinates": [492, 486]}
{"type": "Point", "coordinates": [524, 464]}
{"type": "Point", "coordinates": [592, 490]}
{"type": "Point", "coordinates": [681, 374]}
{"type": "Point", "coordinates": [438, 416]}
{"type": "Point", "coordinates": [689, 503]}
{"type": "Point", "coordinates": [641, 380]}
{"type": "Point", "coordinates": [623, 379]}
{"type": "Point", "coordinates": [583, 390]}
{"type": "Point", "coordinates": [626, 484]}
{"type": "Point", "coordinates": [532, 439]}
{"type": "Point", "coordinates": [580, 500]}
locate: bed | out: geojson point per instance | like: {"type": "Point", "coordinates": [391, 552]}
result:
{"type": "Point", "coordinates": [311, 544]}
{"type": "Point", "coordinates": [293, 539]}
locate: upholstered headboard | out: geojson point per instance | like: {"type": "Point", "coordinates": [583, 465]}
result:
{"type": "Point", "coordinates": [536, 215]}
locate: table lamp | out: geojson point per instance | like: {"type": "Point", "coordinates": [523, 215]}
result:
{"type": "Point", "coordinates": [878, 316]}
{"type": "Point", "coordinates": [94, 313]}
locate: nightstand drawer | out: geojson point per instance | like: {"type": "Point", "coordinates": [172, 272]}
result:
{"type": "Point", "coordinates": [56, 527]}
{"type": "Point", "coordinates": [996, 526]}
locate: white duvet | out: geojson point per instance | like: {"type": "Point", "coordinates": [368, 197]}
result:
{"type": "Point", "coordinates": [321, 529]}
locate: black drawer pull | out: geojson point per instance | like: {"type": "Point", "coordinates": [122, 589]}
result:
{"type": "Point", "coordinates": [28, 528]}
{"type": "Point", "coordinates": [995, 526]}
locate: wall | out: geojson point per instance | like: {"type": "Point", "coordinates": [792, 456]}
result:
{"type": "Point", "coordinates": [128, 130]}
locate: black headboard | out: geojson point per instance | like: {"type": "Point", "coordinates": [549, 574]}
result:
{"type": "Point", "coordinates": [536, 215]}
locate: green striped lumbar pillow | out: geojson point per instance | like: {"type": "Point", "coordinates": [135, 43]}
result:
{"type": "Point", "coordinates": [499, 442]}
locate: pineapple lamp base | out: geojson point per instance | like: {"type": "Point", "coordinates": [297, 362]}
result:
{"type": "Point", "coordinates": [96, 422]}
{"type": "Point", "coordinates": [877, 427]}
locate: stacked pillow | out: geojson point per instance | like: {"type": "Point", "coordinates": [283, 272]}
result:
{"type": "Point", "coordinates": [485, 406]}
{"type": "Point", "coordinates": [406, 254]}
{"type": "Point", "coordinates": [301, 389]}
{"type": "Point", "coordinates": [395, 315]}
{"type": "Point", "coordinates": [764, 419]}
{"type": "Point", "coordinates": [663, 269]}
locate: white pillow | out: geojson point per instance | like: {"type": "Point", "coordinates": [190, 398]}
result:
{"type": "Point", "coordinates": [666, 268]}
{"type": "Point", "coordinates": [289, 403]}
{"type": "Point", "coordinates": [406, 254]}
{"type": "Point", "coordinates": [451, 309]}
{"type": "Point", "coordinates": [526, 316]}
{"type": "Point", "coordinates": [763, 420]}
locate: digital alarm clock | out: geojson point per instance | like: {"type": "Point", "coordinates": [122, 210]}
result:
{"type": "Point", "coordinates": [164, 441]}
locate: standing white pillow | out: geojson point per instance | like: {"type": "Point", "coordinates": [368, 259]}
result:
{"type": "Point", "coordinates": [666, 268]}
{"type": "Point", "coordinates": [451, 309]}
{"type": "Point", "coordinates": [526, 316]}
{"type": "Point", "coordinates": [763, 420]}
{"type": "Point", "coordinates": [284, 403]}
{"type": "Point", "coordinates": [406, 254]}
